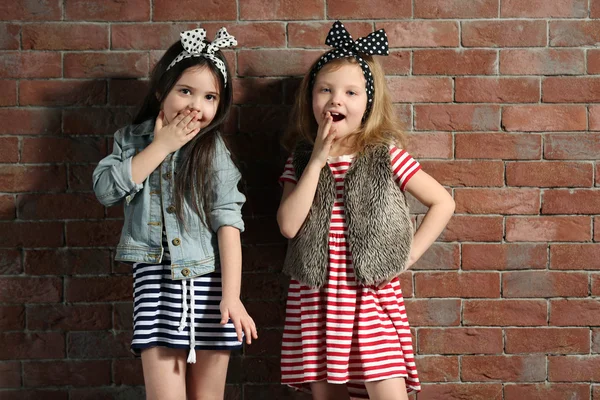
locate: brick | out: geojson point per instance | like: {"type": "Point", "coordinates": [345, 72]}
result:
{"type": "Point", "coordinates": [541, 118]}
{"type": "Point", "coordinates": [473, 229]}
{"type": "Point", "coordinates": [574, 33]}
{"type": "Point", "coordinates": [571, 201]}
{"type": "Point", "coordinates": [70, 317]}
{"type": "Point", "coordinates": [440, 256]}
{"type": "Point", "coordinates": [126, 92]}
{"type": "Point", "coordinates": [9, 150]}
{"type": "Point", "coordinates": [460, 341]}
{"type": "Point", "coordinates": [571, 90]}
{"type": "Point", "coordinates": [67, 261]}
{"type": "Point", "coordinates": [549, 174]}
{"type": "Point", "coordinates": [17, 178]}
{"type": "Point", "coordinates": [10, 262]}
{"type": "Point", "coordinates": [75, 373]}
{"type": "Point", "coordinates": [479, 256]}
{"type": "Point", "coordinates": [122, 316]}
{"type": "Point", "coordinates": [65, 149]}
{"type": "Point", "coordinates": [263, 258]}
{"type": "Point", "coordinates": [99, 289]}
{"type": "Point", "coordinates": [32, 11]}
{"type": "Point", "coordinates": [30, 290]}
{"type": "Point", "coordinates": [574, 368]}
{"type": "Point", "coordinates": [152, 36]}
{"type": "Point", "coordinates": [7, 206]}
{"type": "Point", "coordinates": [459, 391]}
{"type": "Point", "coordinates": [29, 121]}
{"type": "Point", "coordinates": [528, 368]}
{"type": "Point", "coordinates": [52, 206]}
{"type": "Point", "coordinates": [275, 62]}
{"type": "Point", "coordinates": [266, 314]}
{"type": "Point", "coordinates": [595, 285]}
{"type": "Point", "coordinates": [62, 93]}
{"type": "Point", "coordinates": [453, 284]}
{"type": "Point", "coordinates": [112, 10]}
{"type": "Point", "coordinates": [406, 284]}
{"type": "Point", "coordinates": [91, 345]}
{"type": "Point", "coordinates": [64, 36]}
{"type": "Point", "coordinates": [454, 62]}
{"type": "Point", "coordinates": [466, 173]}
{"type": "Point", "coordinates": [264, 286]}
{"type": "Point", "coordinates": [547, 340]}
{"type": "Point", "coordinates": [497, 90]}
{"type": "Point", "coordinates": [257, 91]}
{"type": "Point", "coordinates": [547, 391]}
{"type": "Point", "coordinates": [575, 312]}
{"type": "Point", "coordinates": [594, 112]}
{"type": "Point", "coordinates": [101, 65]}
{"type": "Point", "coordinates": [430, 145]}
{"type": "Point", "coordinates": [596, 340]}
{"type": "Point", "coordinates": [497, 201]}
{"type": "Point", "coordinates": [571, 146]}
{"type": "Point", "coordinates": [544, 284]}
{"type": "Point", "coordinates": [504, 33]}
{"type": "Point", "coordinates": [421, 33]}
{"type": "Point", "coordinates": [596, 229]}
{"type": "Point", "coordinates": [263, 119]}
{"type": "Point", "coordinates": [106, 393]}
{"type": "Point", "coordinates": [455, 9]}
{"type": "Point", "coordinates": [10, 374]}
{"type": "Point", "coordinates": [544, 9]}
{"type": "Point", "coordinates": [264, 347]}
{"type": "Point", "coordinates": [397, 63]}
{"type": "Point", "coordinates": [542, 62]}
{"type": "Point", "coordinates": [593, 61]}
{"type": "Point", "coordinates": [438, 368]}
{"type": "Point", "coordinates": [355, 9]}
{"type": "Point", "coordinates": [93, 233]}
{"type": "Point", "coordinates": [34, 234]}
{"type": "Point", "coordinates": [420, 89]}
{"type": "Point", "coordinates": [279, 10]}
{"type": "Point", "coordinates": [33, 64]}
{"type": "Point", "coordinates": [505, 146]}
{"type": "Point", "coordinates": [575, 256]}
{"type": "Point", "coordinates": [40, 345]}
{"type": "Point", "coordinates": [457, 117]}
{"type": "Point", "coordinates": [9, 36]}
{"type": "Point", "coordinates": [313, 34]}
{"type": "Point", "coordinates": [8, 93]}
{"type": "Point", "coordinates": [255, 34]}
{"type": "Point", "coordinates": [433, 312]}
{"type": "Point", "coordinates": [96, 121]}
{"type": "Point", "coordinates": [505, 312]}
{"type": "Point", "coordinates": [128, 372]}
{"type": "Point", "coordinates": [35, 394]}
{"type": "Point", "coordinates": [12, 318]}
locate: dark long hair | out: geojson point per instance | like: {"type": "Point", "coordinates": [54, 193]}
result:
{"type": "Point", "coordinates": [195, 175]}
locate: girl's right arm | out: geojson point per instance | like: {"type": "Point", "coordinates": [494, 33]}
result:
{"type": "Point", "coordinates": [297, 198]}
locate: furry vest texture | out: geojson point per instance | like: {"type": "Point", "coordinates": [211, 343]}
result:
{"type": "Point", "coordinates": [380, 230]}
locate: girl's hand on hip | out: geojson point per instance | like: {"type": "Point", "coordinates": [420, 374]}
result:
{"type": "Point", "coordinates": [235, 310]}
{"type": "Point", "coordinates": [175, 134]}
{"type": "Point", "coordinates": [323, 141]}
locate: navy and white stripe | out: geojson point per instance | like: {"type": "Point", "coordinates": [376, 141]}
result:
{"type": "Point", "coordinates": [158, 309]}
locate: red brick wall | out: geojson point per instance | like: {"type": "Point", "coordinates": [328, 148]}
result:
{"type": "Point", "coordinates": [499, 96]}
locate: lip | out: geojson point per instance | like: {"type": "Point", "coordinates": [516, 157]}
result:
{"type": "Point", "coordinates": [335, 120]}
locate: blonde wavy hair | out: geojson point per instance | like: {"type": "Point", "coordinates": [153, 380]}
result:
{"type": "Point", "coordinates": [380, 127]}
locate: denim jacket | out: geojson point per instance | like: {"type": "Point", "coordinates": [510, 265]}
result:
{"type": "Point", "coordinates": [193, 247]}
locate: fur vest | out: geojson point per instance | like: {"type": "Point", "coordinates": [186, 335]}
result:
{"type": "Point", "coordinates": [380, 230]}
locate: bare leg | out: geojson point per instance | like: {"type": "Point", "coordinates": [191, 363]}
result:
{"type": "Point", "coordinates": [328, 391]}
{"type": "Point", "coordinates": [206, 378]}
{"type": "Point", "coordinates": [388, 389]}
{"type": "Point", "coordinates": [164, 373]}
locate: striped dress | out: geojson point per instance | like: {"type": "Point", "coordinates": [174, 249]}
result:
{"type": "Point", "coordinates": [346, 333]}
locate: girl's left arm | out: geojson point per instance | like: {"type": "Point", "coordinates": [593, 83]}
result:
{"type": "Point", "coordinates": [230, 250]}
{"type": "Point", "coordinates": [441, 207]}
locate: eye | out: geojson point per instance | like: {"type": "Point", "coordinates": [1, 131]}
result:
{"type": "Point", "coordinates": [352, 93]}
{"type": "Point", "coordinates": [325, 90]}
{"type": "Point", "coordinates": [185, 91]}
{"type": "Point", "coordinates": [210, 97]}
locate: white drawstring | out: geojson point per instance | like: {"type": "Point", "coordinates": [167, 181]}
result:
{"type": "Point", "coordinates": [192, 356]}
{"type": "Point", "coordinates": [184, 305]}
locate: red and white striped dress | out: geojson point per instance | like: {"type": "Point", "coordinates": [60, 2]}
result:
{"type": "Point", "coordinates": [346, 333]}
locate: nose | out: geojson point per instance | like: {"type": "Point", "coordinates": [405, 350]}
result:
{"type": "Point", "coordinates": [195, 104]}
{"type": "Point", "coordinates": [335, 99]}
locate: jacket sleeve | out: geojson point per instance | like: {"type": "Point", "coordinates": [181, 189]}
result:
{"type": "Point", "coordinates": [112, 177]}
{"type": "Point", "coordinates": [227, 200]}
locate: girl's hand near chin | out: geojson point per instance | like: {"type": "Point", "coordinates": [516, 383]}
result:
{"type": "Point", "coordinates": [173, 135]}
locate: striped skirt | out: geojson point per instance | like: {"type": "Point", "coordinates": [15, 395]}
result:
{"type": "Point", "coordinates": [163, 309]}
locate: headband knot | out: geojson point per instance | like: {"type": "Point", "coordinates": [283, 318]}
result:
{"type": "Point", "coordinates": [195, 45]}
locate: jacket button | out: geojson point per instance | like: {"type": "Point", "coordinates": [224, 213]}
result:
{"type": "Point", "coordinates": [185, 272]}
{"type": "Point", "coordinates": [176, 242]}
{"type": "Point", "coordinates": [171, 209]}
{"type": "Point", "coordinates": [167, 175]}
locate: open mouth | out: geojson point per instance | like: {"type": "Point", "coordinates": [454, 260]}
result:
{"type": "Point", "coordinates": [337, 117]}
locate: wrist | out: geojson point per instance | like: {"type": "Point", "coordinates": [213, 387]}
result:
{"type": "Point", "coordinates": [159, 149]}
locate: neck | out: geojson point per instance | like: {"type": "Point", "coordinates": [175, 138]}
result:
{"type": "Point", "coordinates": [342, 146]}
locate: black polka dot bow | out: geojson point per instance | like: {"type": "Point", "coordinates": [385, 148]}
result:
{"type": "Point", "coordinates": [376, 43]}
{"type": "Point", "coordinates": [195, 45]}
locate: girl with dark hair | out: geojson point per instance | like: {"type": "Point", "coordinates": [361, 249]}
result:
{"type": "Point", "coordinates": [182, 222]}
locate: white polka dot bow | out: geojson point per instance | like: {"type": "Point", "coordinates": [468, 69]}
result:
{"type": "Point", "coordinates": [195, 45]}
{"type": "Point", "coordinates": [376, 44]}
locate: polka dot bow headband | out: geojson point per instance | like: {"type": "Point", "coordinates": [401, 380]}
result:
{"type": "Point", "coordinates": [195, 45]}
{"type": "Point", "coordinates": [376, 44]}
